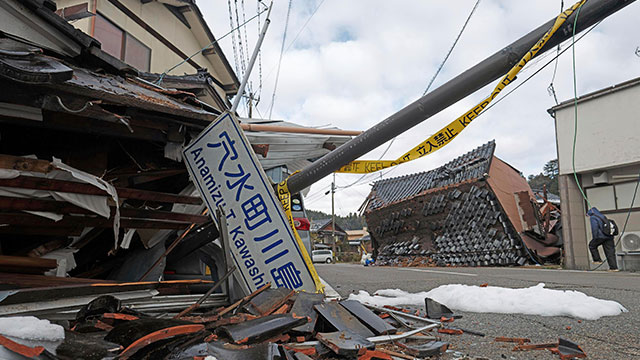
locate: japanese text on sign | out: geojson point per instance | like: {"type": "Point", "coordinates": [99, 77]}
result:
{"type": "Point", "coordinates": [227, 174]}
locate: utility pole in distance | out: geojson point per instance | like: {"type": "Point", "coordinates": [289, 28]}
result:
{"type": "Point", "coordinates": [333, 214]}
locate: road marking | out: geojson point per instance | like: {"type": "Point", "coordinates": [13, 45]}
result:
{"type": "Point", "coordinates": [440, 272]}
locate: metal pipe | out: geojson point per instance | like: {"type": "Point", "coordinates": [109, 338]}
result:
{"type": "Point", "coordinates": [297, 130]}
{"type": "Point", "coordinates": [389, 338]}
{"type": "Point", "coordinates": [449, 93]}
{"type": "Point", "coordinates": [400, 313]}
{"type": "Point", "coordinates": [254, 56]}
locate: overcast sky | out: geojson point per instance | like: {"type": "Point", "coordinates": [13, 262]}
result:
{"type": "Point", "coordinates": [357, 62]}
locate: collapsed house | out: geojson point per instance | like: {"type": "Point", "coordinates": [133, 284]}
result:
{"type": "Point", "coordinates": [476, 210]}
{"type": "Point", "coordinates": [92, 181]}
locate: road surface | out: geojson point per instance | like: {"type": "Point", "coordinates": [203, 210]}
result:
{"type": "Point", "coordinates": [616, 337]}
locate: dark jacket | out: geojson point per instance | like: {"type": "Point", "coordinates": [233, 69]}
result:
{"type": "Point", "coordinates": [597, 224]}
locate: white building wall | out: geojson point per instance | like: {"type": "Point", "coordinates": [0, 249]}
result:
{"type": "Point", "coordinates": [608, 132]}
{"type": "Point", "coordinates": [607, 160]}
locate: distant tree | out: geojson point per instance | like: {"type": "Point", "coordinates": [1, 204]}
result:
{"type": "Point", "coordinates": [350, 222]}
{"type": "Point", "coordinates": [548, 177]}
{"type": "Point", "coordinates": [550, 169]}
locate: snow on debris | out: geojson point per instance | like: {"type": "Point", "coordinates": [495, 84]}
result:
{"type": "Point", "coordinates": [30, 328]}
{"type": "Point", "coordinates": [535, 300]}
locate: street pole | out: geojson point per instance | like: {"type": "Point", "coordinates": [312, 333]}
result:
{"type": "Point", "coordinates": [451, 92]}
{"type": "Point", "coordinates": [333, 215]}
{"type": "Point", "coordinates": [254, 56]}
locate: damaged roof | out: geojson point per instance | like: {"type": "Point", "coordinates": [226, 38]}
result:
{"type": "Point", "coordinates": [471, 165]}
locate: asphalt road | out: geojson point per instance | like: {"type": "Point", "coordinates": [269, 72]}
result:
{"type": "Point", "coordinates": [616, 337]}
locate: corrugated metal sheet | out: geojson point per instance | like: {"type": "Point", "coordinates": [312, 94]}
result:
{"type": "Point", "coordinates": [471, 165]}
{"type": "Point", "coordinates": [290, 149]}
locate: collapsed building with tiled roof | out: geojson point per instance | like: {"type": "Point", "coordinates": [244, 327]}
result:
{"type": "Point", "coordinates": [475, 210]}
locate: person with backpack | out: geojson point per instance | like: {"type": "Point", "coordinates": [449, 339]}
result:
{"type": "Point", "coordinates": [602, 230]}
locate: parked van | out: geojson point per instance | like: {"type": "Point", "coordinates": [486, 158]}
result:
{"type": "Point", "coordinates": [323, 256]}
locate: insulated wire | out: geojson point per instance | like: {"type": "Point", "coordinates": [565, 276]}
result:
{"type": "Point", "coordinates": [297, 35]}
{"type": "Point", "coordinates": [233, 39]}
{"type": "Point", "coordinates": [284, 38]}
{"type": "Point", "coordinates": [624, 228]}
{"type": "Point", "coordinates": [575, 108]}
{"type": "Point", "coordinates": [303, 26]}
{"type": "Point", "coordinates": [259, 91]}
{"type": "Point", "coordinates": [451, 49]}
{"type": "Point", "coordinates": [494, 103]}
{"type": "Point", "coordinates": [379, 158]}
{"type": "Point", "coordinates": [206, 47]}
{"type": "Point", "coordinates": [551, 89]}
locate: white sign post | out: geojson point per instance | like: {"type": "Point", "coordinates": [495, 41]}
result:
{"type": "Point", "coordinates": [226, 172]}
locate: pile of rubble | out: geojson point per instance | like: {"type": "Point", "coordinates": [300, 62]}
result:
{"type": "Point", "coordinates": [266, 324]}
{"type": "Point", "coordinates": [270, 323]}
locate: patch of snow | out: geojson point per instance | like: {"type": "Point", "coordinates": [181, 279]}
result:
{"type": "Point", "coordinates": [329, 292]}
{"type": "Point", "coordinates": [535, 300]}
{"type": "Point", "coordinates": [30, 328]}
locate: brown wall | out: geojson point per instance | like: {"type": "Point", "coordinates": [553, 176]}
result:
{"type": "Point", "coordinates": [505, 181]}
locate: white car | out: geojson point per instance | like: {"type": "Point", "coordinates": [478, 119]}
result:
{"type": "Point", "coordinates": [322, 256]}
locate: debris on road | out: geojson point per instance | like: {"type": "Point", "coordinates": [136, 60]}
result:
{"type": "Point", "coordinates": [266, 324]}
{"type": "Point", "coordinates": [520, 341]}
{"type": "Point", "coordinates": [566, 349]}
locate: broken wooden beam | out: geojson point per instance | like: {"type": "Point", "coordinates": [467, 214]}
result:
{"type": "Point", "coordinates": [30, 182]}
{"type": "Point", "coordinates": [62, 207]}
{"type": "Point", "coordinates": [24, 264]}
{"type": "Point", "coordinates": [87, 221]}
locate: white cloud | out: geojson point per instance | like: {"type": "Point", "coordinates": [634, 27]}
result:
{"type": "Point", "coordinates": [358, 62]}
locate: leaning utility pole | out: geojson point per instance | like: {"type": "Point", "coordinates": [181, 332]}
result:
{"type": "Point", "coordinates": [449, 93]}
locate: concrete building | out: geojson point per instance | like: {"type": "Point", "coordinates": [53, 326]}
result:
{"type": "Point", "coordinates": [153, 37]}
{"type": "Point", "coordinates": [607, 163]}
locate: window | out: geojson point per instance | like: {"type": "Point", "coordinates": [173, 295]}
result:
{"type": "Point", "coordinates": [602, 197]}
{"type": "Point", "coordinates": [109, 35]}
{"type": "Point", "coordinates": [136, 53]}
{"type": "Point", "coordinates": [624, 194]}
{"type": "Point", "coordinates": [121, 44]}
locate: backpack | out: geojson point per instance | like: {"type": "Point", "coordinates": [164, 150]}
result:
{"type": "Point", "coordinates": [609, 227]}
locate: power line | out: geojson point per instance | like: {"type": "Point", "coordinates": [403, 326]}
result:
{"type": "Point", "coordinates": [494, 103]}
{"type": "Point", "coordinates": [304, 26]}
{"type": "Point", "coordinates": [551, 89]}
{"type": "Point", "coordinates": [284, 38]}
{"type": "Point", "coordinates": [233, 39]}
{"type": "Point", "coordinates": [379, 158]}
{"type": "Point", "coordinates": [298, 34]}
{"type": "Point", "coordinates": [451, 49]}
{"type": "Point", "coordinates": [259, 91]}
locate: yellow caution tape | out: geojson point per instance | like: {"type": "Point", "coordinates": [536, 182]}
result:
{"type": "Point", "coordinates": [285, 200]}
{"type": "Point", "coordinates": [453, 129]}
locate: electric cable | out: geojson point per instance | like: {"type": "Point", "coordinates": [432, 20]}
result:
{"type": "Point", "coordinates": [451, 49]}
{"type": "Point", "coordinates": [304, 26]}
{"type": "Point", "coordinates": [233, 39]}
{"type": "Point", "coordinates": [297, 35]}
{"type": "Point", "coordinates": [551, 89]}
{"type": "Point", "coordinates": [259, 91]}
{"type": "Point", "coordinates": [284, 38]}
{"type": "Point", "coordinates": [624, 227]}
{"type": "Point", "coordinates": [379, 158]}
{"type": "Point", "coordinates": [497, 101]}
{"type": "Point", "coordinates": [159, 81]}
{"type": "Point", "coordinates": [575, 108]}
